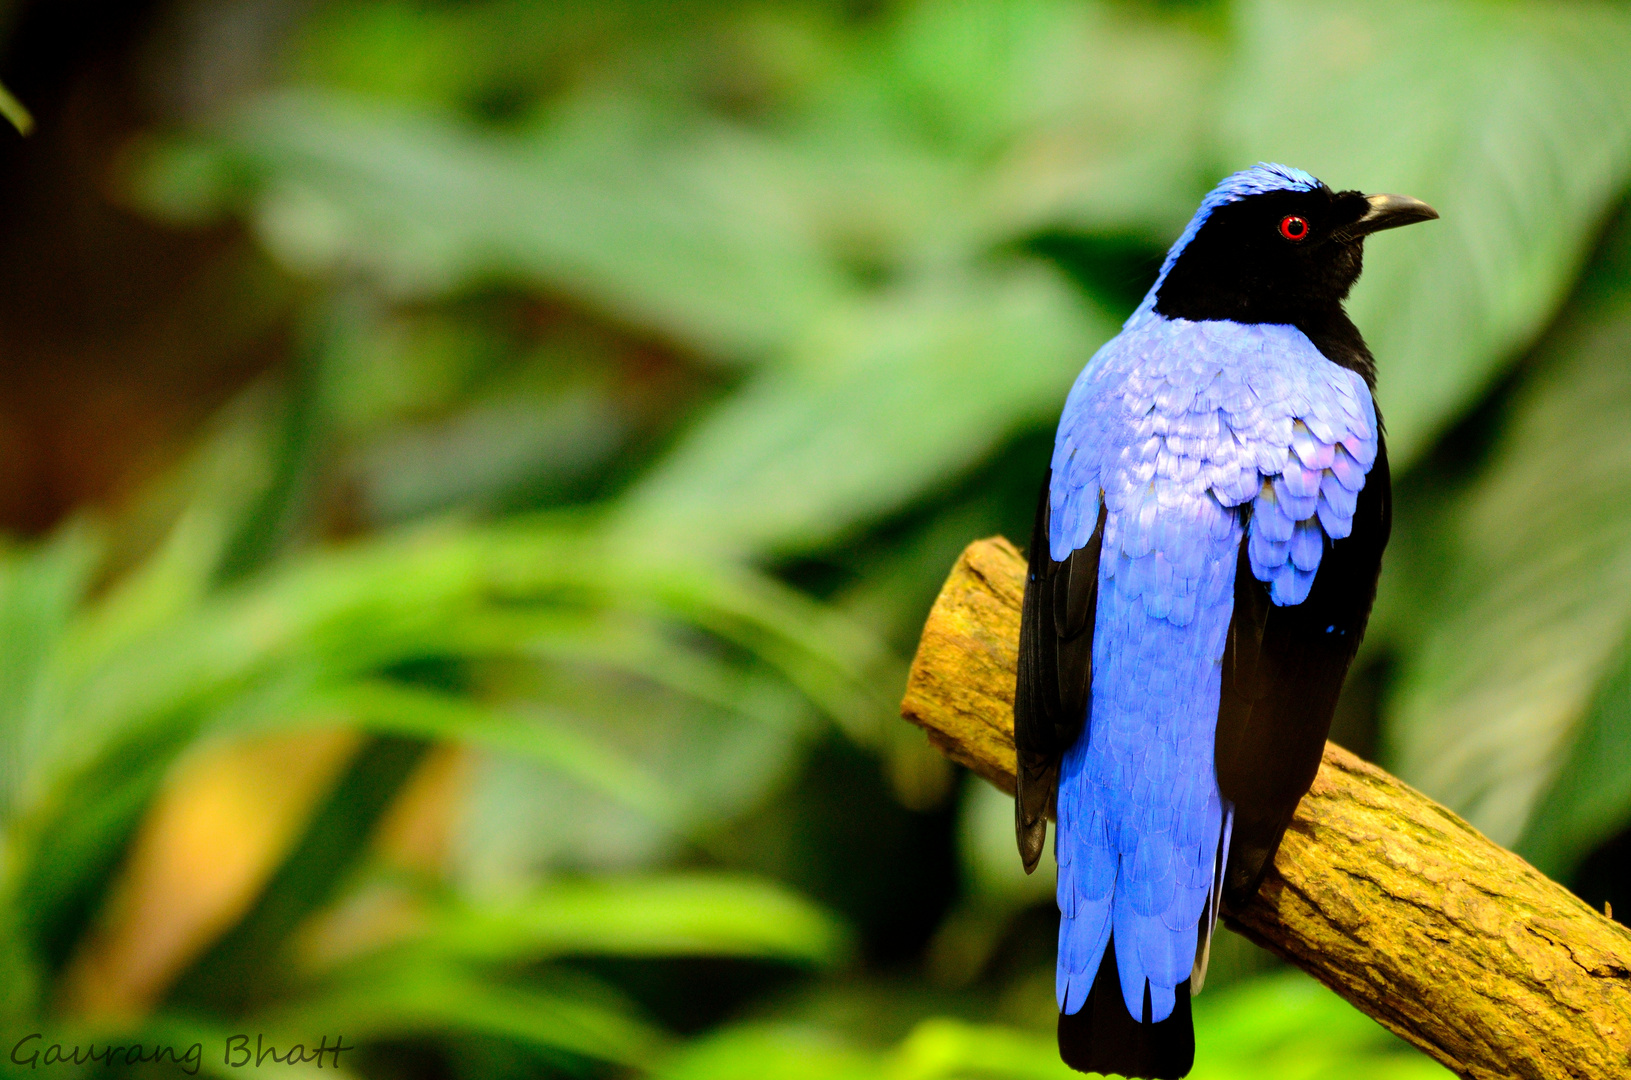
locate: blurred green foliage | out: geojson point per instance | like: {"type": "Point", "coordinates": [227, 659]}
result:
{"type": "Point", "coordinates": [657, 361]}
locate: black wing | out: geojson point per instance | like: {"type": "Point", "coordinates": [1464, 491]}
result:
{"type": "Point", "coordinates": [1055, 673]}
{"type": "Point", "coordinates": [1282, 670]}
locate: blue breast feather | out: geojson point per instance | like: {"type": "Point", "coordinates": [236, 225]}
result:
{"type": "Point", "coordinates": [1176, 426]}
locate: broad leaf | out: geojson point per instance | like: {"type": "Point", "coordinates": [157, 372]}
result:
{"type": "Point", "coordinates": [1536, 586]}
{"type": "Point", "coordinates": [878, 405]}
{"type": "Point", "coordinates": [1286, 1026]}
{"type": "Point", "coordinates": [16, 112]}
{"type": "Point", "coordinates": [1108, 110]}
{"type": "Point", "coordinates": [1590, 800]}
{"type": "Point", "coordinates": [405, 995]}
{"type": "Point", "coordinates": [694, 915]}
{"type": "Point", "coordinates": [39, 591]}
{"type": "Point", "coordinates": [694, 237]}
{"type": "Point", "coordinates": [770, 1052]}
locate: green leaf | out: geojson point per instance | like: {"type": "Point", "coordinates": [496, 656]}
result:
{"type": "Point", "coordinates": [21, 977]}
{"type": "Point", "coordinates": [1279, 1027]}
{"type": "Point", "coordinates": [1535, 606]}
{"type": "Point", "coordinates": [40, 588]}
{"type": "Point", "coordinates": [306, 642]}
{"type": "Point", "coordinates": [405, 995]}
{"type": "Point", "coordinates": [942, 1049]}
{"type": "Point", "coordinates": [1590, 798]}
{"type": "Point", "coordinates": [64, 859]}
{"type": "Point", "coordinates": [343, 614]}
{"type": "Point", "coordinates": [1087, 117]}
{"type": "Point", "coordinates": [679, 915]}
{"type": "Point", "coordinates": [181, 527]}
{"type": "Point", "coordinates": [1513, 120]}
{"type": "Point", "coordinates": [1286, 1026]}
{"type": "Point", "coordinates": [693, 236]}
{"type": "Point", "coordinates": [241, 966]}
{"type": "Point", "coordinates": [991, 865]}
{"type": "Point", "coordinates": [769, 1052]}
{"type": "Point", "coordinates": [947, 128]}
{"type": "Point", "coordinates": [519, 445]}
{"type": "Point", "coordinates": [936, 1049]}
{"type": "Point", "coordinates": [470, 54]}
{"type": "Point", "coordinates": [1589, 801]}
{"type": "Point", "coordinates": [879, 405]}
{"type": "Point", "coordinates": [14, 111]}
{"type": "Point", "coordinates": [381, 706]}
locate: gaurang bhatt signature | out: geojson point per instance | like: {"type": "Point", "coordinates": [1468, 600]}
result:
{"type": "Point", "coordinates": [31, 1050]}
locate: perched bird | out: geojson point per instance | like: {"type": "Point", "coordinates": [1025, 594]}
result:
{"type": "Point", "coordinates": [1201, 570]}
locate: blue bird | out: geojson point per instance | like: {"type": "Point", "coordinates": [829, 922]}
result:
{"type": "Point", "coordinates": [1201, 570]}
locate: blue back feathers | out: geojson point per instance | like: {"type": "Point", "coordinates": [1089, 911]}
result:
{"type": "Point", "coordinates": [1175, 427]}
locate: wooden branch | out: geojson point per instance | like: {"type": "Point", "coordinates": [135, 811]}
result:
{"type": "Point", "coordinates": [1378, 892]}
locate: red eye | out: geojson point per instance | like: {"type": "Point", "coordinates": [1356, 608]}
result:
{"type": "Point", "coordinates": [1293, 227]}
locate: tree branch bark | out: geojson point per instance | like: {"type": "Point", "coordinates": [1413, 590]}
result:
{"type": "Point", "coordinates": [1378, 892]}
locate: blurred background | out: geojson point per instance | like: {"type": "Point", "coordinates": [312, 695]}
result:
{"type": "Point", "coordinates": [474, 473]}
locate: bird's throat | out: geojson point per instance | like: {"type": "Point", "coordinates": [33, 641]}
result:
{"type": "Point", "coordinates": [1335, 335]}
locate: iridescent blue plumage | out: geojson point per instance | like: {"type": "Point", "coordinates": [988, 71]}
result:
{"type": "Point", "coordinates": [1188, 434]}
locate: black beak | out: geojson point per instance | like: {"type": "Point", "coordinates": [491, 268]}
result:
{"type": "Point", "coordinates": [1389, 212]}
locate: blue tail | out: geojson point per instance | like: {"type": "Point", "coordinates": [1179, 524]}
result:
{"type": "Point", "coordinates": [1139, 813]}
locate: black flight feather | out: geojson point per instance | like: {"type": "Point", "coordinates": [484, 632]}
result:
{"type": "Point", "coordinates": [1282, 671]}
{"type": "Point", "coordinates": [1051, 692]}
{"type": "Point", "coordinates": [1103, 1037]}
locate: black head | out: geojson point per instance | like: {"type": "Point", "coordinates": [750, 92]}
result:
{"type": "Point", "coordinates": [1284, 255]}
{"type": "Point", "coordinates": [1278, 256]}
